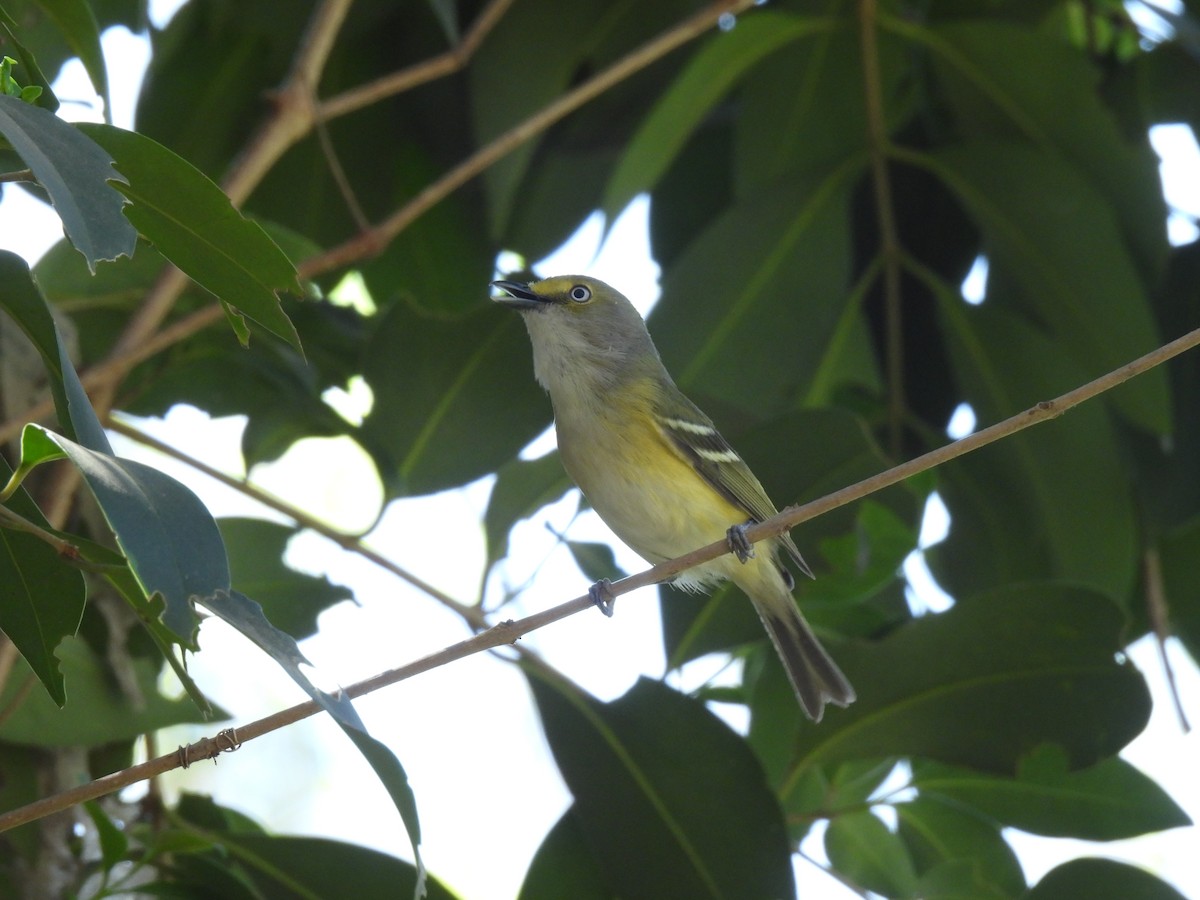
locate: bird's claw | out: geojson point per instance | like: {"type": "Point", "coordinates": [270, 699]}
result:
{"type": "Point", "coordinates": [602, 595]}
{"type": "Point", "coordinates": [738, 545]}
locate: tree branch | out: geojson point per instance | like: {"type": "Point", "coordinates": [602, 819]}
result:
{"type": "Point", "coordinates": [510, 631]}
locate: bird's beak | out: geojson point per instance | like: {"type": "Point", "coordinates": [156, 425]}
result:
{"type": "Point", "coordinates": [516, 295]}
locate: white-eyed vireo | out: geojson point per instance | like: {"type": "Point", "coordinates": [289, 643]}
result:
{"type": "Point", "coordinates": [654, 467]}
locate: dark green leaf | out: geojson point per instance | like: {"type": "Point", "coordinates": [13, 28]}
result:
{"type": "Point", "coordinates": [563, 867]}
{"type": "Point", "coordinates": [861, 847]}
{"type": "Point", "coordinates": [77, 174]}
{"type": "Point", "coordinates": [20, 297]}
{"type": "Point", "coordinates": [113, 842]}
{"type": "Point", "coordinates": [735, 324]}
{"type": "Point", "coordinates": [633, 766]}
{"type": "Point", "coordinates": [708, 77]}
{"type": "Point", "coordinates": [169, 538]}
{"type": "Point", "coordinates": [522, 488]}
{"type": "Point", "coordinates": [247, 617]}
{"type": "Point", "coordinates": [97, 712]}
{"type": "Point", "coordinates": [1104, 802]}
{"type": "Point", "coordinates": [994, 74]}
{"type": "Point", "coordinates": [938, 832]}
{"type": "Point", "coordinates": [41, 598]}
{"type": "Point", "coordinates": [30, 71]}
{"type": "Point", "coordinates": [193, 224]}
{"type": "Point", "coordinates": [1068, 510]}
{"type": "Point", "coordinates": [987, 681]}
{"type": "Point", "coordinates": [78, 25]}
{"type": "Point", "coordinates": [1101, 879]}
{"type": "Point", "coordinates": [290, 600]}
{"type": "Point", "coordinates": [1052, 237]}
{"type": "Point", "coordinates": [454, 398]}
{"type": "Point", "coordinates": [595, 560]}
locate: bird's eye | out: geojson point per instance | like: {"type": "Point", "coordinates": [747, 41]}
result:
{"type": "Point", "coordinates": [580, 293]}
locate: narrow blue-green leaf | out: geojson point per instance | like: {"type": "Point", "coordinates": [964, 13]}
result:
{"type": "Point", "coordinates": [860, 847]}
{"type": "Point", "coordinates": [193, 224]}
{"type": "Point", "coordinates": [247, 616]}
{"type": "Point", "coordinates": [706, 79]}
{"type": "Point", "coordinates": [41, 597]}
{"type": "Point", "coordinates": [170, 539]}
{"type": "Point", "coordinates": [77, 174]}
{"type": "Point", "coordinates": [77, 23]}
{"type": "Point", "coordinates": [20, 297]}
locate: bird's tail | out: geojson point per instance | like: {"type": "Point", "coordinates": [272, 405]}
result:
{"type": "Point", "coordinates": [814, 675]}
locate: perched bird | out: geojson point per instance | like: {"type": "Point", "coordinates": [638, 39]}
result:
{"type": "Point", "coordinates": [654, 467]}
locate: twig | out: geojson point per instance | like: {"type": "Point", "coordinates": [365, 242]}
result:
{"type": "Point", "coordinates": [509, 632]}
{"type": "Point", "coordinates": [889, 234]}
{"type": "Point", "coordinates": [473, 615]}
{"type": "Point", "coordinates": [1159, 616]}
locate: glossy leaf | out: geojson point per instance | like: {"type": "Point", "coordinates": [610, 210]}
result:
{"type": "Point", "coordinates": [987, 681]}
{"type": "Point", "coordinates": [97, 712]}
{"type": "Point", "coordinates": [77, 174]}
{"type": "Point", "coordinates": [861, 846]}
{"type": "Point", "coordinates": [633, 765]}
{"type": "Point", "coordinates": [454, 398]}
{"type": "Point", "coordinates": [1104, 802]}
{"type": "Point", "coordinates": [938, 833]}
{"type": "Point", "coordinates": [193, 224]}
{"type": "Point", "coordinates": [709, 75]}
{"type": "Point", "coordinates": [291, 600]}
{"type": "Point", "coordinates": [1100, 879]}
{"type": "Point", "coordinates": [41, 597]}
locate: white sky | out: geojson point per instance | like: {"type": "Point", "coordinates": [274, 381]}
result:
{"type": "Point", "coordinates": [467, 733]}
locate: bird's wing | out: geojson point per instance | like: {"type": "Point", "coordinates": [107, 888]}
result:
{"type": "Point", "coordinates": [694, 437]}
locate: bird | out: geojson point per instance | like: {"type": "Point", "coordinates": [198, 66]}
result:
{"type": "Point", "coordinates": [655, 468]}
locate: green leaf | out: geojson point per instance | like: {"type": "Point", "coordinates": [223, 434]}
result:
{"type": "Point", "coordinates": [169, 538]}
{"type": "Point", "coordinates": [1100, 879]}
{"type": "Point", "coordinates": [709, 75]}
{"type": "Point", "coordinates": [633, 766]}
{"type": "Point", "coordinates": [522, 488]}
{"type": "Point", "coordinates": [938, 832]}
{"type": "Point", "coordinates": [77, 23]}
{"type": "Point", "coordinates": [290, 600]}
{"type": "Point", "coordinates": [1104, 802]}
{"type": "Point", "coordinates": [994, 76]}
{"type": "Point", "coordinates": [193, 224]}
{"type": "Point", "coordinates": [1068, 510]}
{"type": "Point", "coordinates": [454, 397]}
{"type": "Point", "coordinates": [20, 297]}
{"type": "Point", "coordinates": [97, 712]}
{"type": "Point", "coordinates": [77, 174]}
{"type": "Point", "coordinates": [1050, 235]}
{"type": "Point", "coordinates": [734, 295]}
{"type": "Point", "coordinates": [41, 598]}
{"type": "Point", "coordinates": [987, 681]}
{"type": "Point", "coordinates": [247, 617]}
{"type": "Point", "coordinates": [595, 560]}
{"type": "Point", "coordinates": [29, 65]}
{"type": "Point", "coordinates": [563, 867]}
{"type": "Point", "coordinates": [862, 848]}
{"type": "Point", "coordinates": [113, 842]}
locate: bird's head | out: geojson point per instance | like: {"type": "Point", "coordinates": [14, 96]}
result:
{"type": "Point", "coordinates": [583, 331]}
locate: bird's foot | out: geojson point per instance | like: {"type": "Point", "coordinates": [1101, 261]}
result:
{"type": "Point", "coordinates": [602, 595]}
{"type": "Point", "coordinates": [738, 545]}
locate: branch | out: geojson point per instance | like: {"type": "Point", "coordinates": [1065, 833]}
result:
{"type": "Point", "coordinates": [510, 631]}
{"type": "Point", "coordinates": [473, 615]}
{"type": "Point", "coordinates": [889, 234]}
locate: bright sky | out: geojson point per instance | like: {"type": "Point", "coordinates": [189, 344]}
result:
{"type": "Point", "coordinates": [467, 733]}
